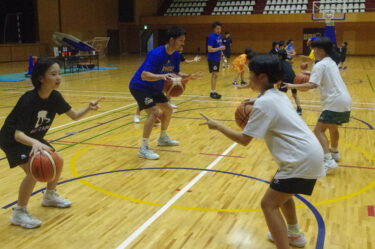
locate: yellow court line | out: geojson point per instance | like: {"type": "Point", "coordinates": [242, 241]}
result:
{"type": "Point", "coordinates": [75, 173]}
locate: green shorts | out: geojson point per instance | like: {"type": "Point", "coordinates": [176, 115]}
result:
{"type": "Point", "coordinates": [331, 117]}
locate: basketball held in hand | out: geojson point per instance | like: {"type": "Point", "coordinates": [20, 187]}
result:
{"type": "Point", "coordinates": [302, 77]}
{"type": "Point", "coordinates": [44, 166]}
{"type": "Point", "coordinates": [175, 87]}
{"type": "Point", "coordinates": [242, 113]}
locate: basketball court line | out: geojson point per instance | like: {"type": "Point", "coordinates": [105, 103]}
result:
{"type": "Point", "coordinates": [98, 94]}
{"type": "Point", "coordinates": [166, 206]}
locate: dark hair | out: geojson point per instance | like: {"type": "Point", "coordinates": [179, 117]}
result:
{"type": "Point", "coordinates": [281, 43]}
{"type": "Point", "coordinates": [324, 43]}
{"type": "Point", "coordinates": [282, 54]}
{"type": "Point", "coordinates": [215, 24]}
{"type": "Point", "coordinates": [39, 70]}
{"type": "Point", "coordinates": [174, 32]}
{"type": "Point", "coordinates": [274, 43]}
{"type": "Point", "coordinates": [249, 53]}
{"type": "Point", "coordinates": [289, 41]}
{"type": "Point", "coordinates": [227, 32]}
{"type": "Point", "coordinates": [269, 65]}
{"type": "Point", "coordinates": [345, 43]}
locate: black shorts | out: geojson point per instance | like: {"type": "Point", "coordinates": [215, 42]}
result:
{"type": "Point", "coordinates": [18, 153]}
{"type": "Point", "coordinates": [294, 91]}
{"type": "Point", "coordinates": [147, 100]}
{"type": "Point", "coordinates": [227, 53]}
{"type": "Point", "coordinates": [331, 117]}
{"type": "Point", "coordinates": [213, 66]}
{"type": "Point", "coordinates": [294, 185]}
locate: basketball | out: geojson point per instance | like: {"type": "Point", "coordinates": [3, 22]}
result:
{"type": "Point", "coordinates": [242, 113]}
{"type": "Point", "coordinates": [304, 66]}
{"type": "Point", "coordinates": [302, 77]}
{"type": "Point", "coordinates": [44, 166]}
{"type": "Point", "coordinates": [175, 87]}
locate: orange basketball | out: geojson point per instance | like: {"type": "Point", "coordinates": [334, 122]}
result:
{"type": "Point", "coordinates": [302, 77]}
{"type": "Point", "coordinates": [175, 87]}
{"type": "Point", "coordinates": [44, 166]}
{"type": "Point", "coordinates": [304, 66]}
{"type": "Point", "coordinates": [242, 113]}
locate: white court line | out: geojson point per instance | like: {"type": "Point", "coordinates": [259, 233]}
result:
{"type": "Point", "coordinates": [93, 116]}
{"type": "Point", "coordinates": [189, 95]}
{"type": "Point", "coordinates": [213, 101]}
{"type": "Point", "coordinates": [164, 208]}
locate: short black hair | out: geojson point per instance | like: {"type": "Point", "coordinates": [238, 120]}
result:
{"type": "Point", "coordinates": [324, 43]}
{"type": "Point", "coordinates": [267, 64]}
{"type": "Point", "coordinates": [174, 32]}
{"type": "Point", "coordinates": [274, 43]}
{"type": "Point", "coordinates": [289, 41]}
{"type": "Point", "coordinates": [39, 70]}
{"type": "Point", "coordinates": [283, 55]}
{"type": "Point", "coordinates": [345, 43]}
{"type": "Point", "coordinates": [281, 43]}
{"type": "Point", "coordinates": [249, 53]}
{"type": "Point", "coordinates": [227, 32]}
{"type": "Point", "coordinates": [215, 24]}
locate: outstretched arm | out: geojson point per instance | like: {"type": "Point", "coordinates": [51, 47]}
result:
{"type": "Point", "coordinates": [234, 135]}
{"type": "Point", "coordinates": [77, 114]}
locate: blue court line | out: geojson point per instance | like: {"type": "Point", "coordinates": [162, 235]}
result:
{"type": "Point", "coordinates": [321, 225]}
{"type": "Point", "coordinates": [364, 122]}
{"type": "Point", "coordinates": [86, 129]}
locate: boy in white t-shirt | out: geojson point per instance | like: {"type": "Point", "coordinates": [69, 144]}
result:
{"type": "Point", "coordinates": [335, 99]}
{"type": "Point", "coordinates": [292, 144]}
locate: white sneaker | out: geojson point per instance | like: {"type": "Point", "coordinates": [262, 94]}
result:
{"type": "Point", "coordinates": [295, 239]}
{"type": "Point", "coordinates": [136, 119]}
{"type": "Point", "coordinates": [330, 164]}
{"type": "Point", "coordinates": [336, 156]}
{"type": "Point", "coordinates": [52, 199]}
{"type": "Point", "coordinates": [166, 141]}
{"type": "Point", "coordinates": [145, 152]}
{"type": "Point", "coordinates": [172, 105]}
{"type": "Point", "coordinates": [22, 218]}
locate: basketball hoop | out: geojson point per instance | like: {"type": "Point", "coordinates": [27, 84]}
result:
{"type": "Point", "coordinates": [328, 15]}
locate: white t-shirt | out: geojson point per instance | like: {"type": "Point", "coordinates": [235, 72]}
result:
{"type": "Point", "coordinates": [334, 94]}
{"type": "Point", "coordinates": [293, 145]}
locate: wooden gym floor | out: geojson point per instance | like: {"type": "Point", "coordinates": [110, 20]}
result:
{"type": "Point", "coordinates": [210, 188]}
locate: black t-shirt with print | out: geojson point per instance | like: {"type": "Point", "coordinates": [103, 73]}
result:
{"type": "Point", "coordinates": [33, 116]}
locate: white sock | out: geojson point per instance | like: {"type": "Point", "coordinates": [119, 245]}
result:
{"type": "Point", "coordinates": [19, 207]}
{"type": "Point", "coordinates": [334, 150]}
{"type": "Point", "coordinates": [213, 91]}
{"type": "Point", "coordinates": [163, 133]}
{"type": "Point", "coordinates": [50, 191]}
{"type": "Point", "coordinates": [328, 156]}
{"type": "Point", "coordinates": [294, 228]}
{"type": "Point", "coordinates": [144, 142]}
{"type": "Point", "coordinates": [136, 116]}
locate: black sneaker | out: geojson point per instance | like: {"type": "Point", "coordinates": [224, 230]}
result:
{"type": "Point", "coordinates": [243, 83]}
{"type": "Point", "coordinates": [299, 110]}
{"type": "Point", "coordinates": [215, 95]}
{"type": "Point", "coordinates": [234, 83]}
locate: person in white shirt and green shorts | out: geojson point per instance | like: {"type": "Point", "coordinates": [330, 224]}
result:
{"type": "Point", "coordinates": [293, 145]}
{"type": "Point", "coordinates": [335, 99]}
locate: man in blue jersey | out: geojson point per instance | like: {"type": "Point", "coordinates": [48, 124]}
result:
{"type": "Point", "coordinates": [215, 48]}
{"type": "Point", "coordinates": [147, 85]}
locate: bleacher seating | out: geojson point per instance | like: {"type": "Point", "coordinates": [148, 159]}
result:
{"type": "Point", "coordinates": [285, 7]}
{"type": "Point", "coordinates": [186, 8]}
{"type": "Point", "coordinates": [233, 7]}
{"type": "Point", "coordinates": [343, 6]}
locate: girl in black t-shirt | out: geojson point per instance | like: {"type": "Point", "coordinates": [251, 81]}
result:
{"type": "Point", "coordinates": [22, 135]}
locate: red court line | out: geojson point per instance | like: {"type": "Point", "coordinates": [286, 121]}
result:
{"type": "Point", "coordinates": [133, 147]}
{"type": "Point", "coordinates": [356, 167]}
{"type": "Point", "coordinates": [371, 211]}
